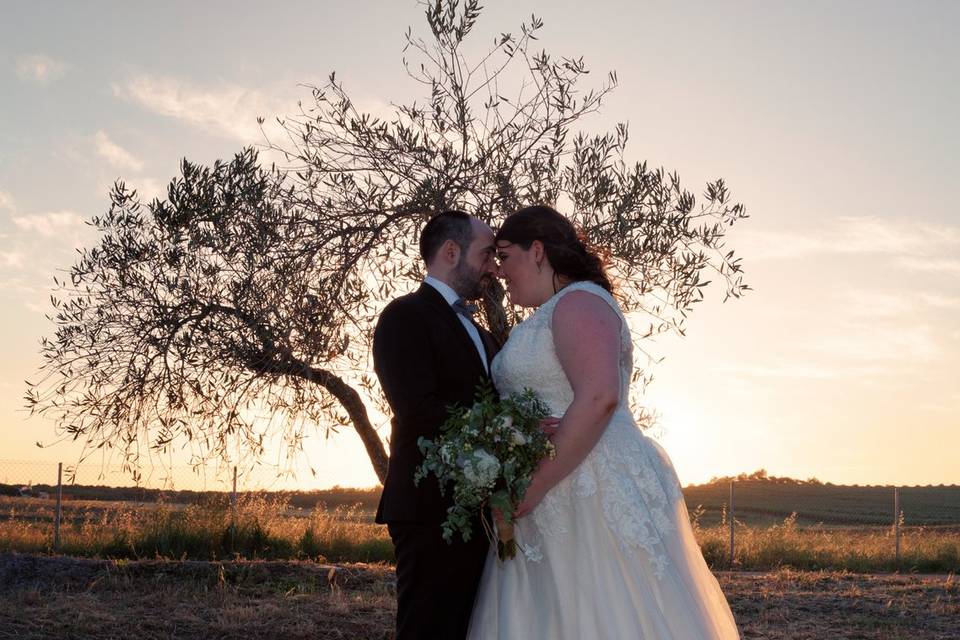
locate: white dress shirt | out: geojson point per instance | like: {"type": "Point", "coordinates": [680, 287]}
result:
{"type": "Point", "coordinates": [451, 296]}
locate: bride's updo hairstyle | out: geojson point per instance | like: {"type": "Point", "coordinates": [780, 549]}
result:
{"type": "Point", "coordinates": [567, 250]}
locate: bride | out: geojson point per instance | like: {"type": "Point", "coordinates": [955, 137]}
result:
{"type": "Point", "coordinates": [607, 551]}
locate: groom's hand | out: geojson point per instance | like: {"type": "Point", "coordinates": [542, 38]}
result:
{"type": "Point", "coordinates": [549, 425]}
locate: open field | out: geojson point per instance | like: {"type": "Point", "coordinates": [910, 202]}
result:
{"type": "Point", "coordinates": [764, 501]}
{"type": "Point", "coordinates": [258, 527]}
{"type": "Point", "coordinates": [758, 501]}
{"type": "Point", "coordinates": [264, 528]}
{"type": "Point", "coordinates": [43, 597]}
{"type": "Point", "coordinates": [335, 497]}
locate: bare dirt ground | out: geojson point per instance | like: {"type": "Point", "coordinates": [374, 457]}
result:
{"type": "Point", "coordinates": [57, 597]}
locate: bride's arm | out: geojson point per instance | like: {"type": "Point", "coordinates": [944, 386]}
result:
{"type": "Point", "coordinates": [586, 336]}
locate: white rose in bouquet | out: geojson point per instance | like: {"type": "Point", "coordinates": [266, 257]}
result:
{"type": "Point", "coordinates": [487, 455]}
{"type": "Point", "coordinates": [481, 468]}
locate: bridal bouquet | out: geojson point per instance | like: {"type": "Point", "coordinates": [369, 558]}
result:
{"type": "Point", "coordinates": [488, 453]}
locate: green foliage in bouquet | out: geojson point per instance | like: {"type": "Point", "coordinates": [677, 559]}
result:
{"type": "Point", "coordinates": [487, 453]}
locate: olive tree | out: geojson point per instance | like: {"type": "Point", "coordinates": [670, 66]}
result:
{"type": "Point", "coordinates": [244, 301]}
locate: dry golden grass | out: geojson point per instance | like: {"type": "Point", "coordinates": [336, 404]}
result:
{"type": "Point", "coordinates": [258, 527]}
{"type": "Point", "coordinates": [861, 549]}
{"type": "Point", "coordinates": [270, 528]}
{"type": "Point", "coordinates": [44, 596]}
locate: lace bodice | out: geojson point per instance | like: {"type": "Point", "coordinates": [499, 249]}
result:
{"type": "Point", "coordinates": [630, 473]}
{"type": "Point", "coordinates": [609, 552]}
{"type": "Point", "coordinates": [529, 360]}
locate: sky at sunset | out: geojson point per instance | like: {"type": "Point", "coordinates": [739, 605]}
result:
{"type": "Point", "coordinates": [835, 123]}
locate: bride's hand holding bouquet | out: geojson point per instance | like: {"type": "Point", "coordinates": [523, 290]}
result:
{"type": "Point", "coordinates": [488, 453]}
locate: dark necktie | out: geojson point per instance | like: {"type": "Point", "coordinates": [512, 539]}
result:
{"type": "Point", "coordinates": [464, 308]}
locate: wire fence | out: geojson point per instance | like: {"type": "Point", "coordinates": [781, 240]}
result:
{"type": "Point", "coordinates": [81, 481]}
{"type": "Point", "coordinates": [38, 492]}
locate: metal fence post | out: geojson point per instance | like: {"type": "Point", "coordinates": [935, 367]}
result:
{"type": "Point", "coordinates": [731, 524]}
{"type": "Point", "coordinates": [57, 515]}
{"type": "Point", "coordinates": [896, 524]}
{"type": "Point", "coordinates": [233, 497]}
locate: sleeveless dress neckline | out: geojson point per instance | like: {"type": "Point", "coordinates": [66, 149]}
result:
{"type": "Point", "coordinates": [609, 552]}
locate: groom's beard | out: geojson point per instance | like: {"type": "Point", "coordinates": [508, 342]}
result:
{"type": "Point", "coordinates": [468, 282]}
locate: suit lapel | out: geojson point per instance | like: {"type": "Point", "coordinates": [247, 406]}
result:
{"type": "Point", "coordinates": [435, 299]}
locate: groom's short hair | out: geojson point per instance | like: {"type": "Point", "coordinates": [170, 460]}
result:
{"type": "Point", "coordinates": [446, 225]}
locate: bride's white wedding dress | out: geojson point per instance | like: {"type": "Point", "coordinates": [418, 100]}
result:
{"type": "Point", "coordinates": [609, 553]}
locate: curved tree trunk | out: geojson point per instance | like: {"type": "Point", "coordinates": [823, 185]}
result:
{"type": "Point", "coordinates": [283, 361]}
{"type": "Point", "coordinates": [351, 401]}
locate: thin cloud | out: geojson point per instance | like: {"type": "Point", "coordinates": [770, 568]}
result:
{"type": "Point", "coordinates": [862, 303]}
{"type": "Point", "coordinates": [116, 155]}
{"type": "Point", "coordinates": [938, 407]}
{"type": "Point", "coordinates": [796, 370]}
{"type": "Point", "coordinates": [228, 110]}
{"type": "Point", "coordinates": [36, 307]}
{"type": "Point", "coordinates": [915, 242]}
{"type": "Point", "coordinates": [148, 188]}
{"type": "Point", "coordinates": [899, 328]}
{"type": "Point", "coordinates": [871, 336]}
{"type": "Point", "coordinates": [49, 224]}
{"type": "Point", "coordinates": [940, 301]}
{"type": "Point", "coordinates": [17, 286]}
{"type": "Point", "coordinates": [6, 201]}
{"type": "Point", "coordinates": [865, 342]}
{"type": "Point", "coordinates": [931, 265]}
{"type": "Point", "coordinates": [901, 305]}
{"type": "Point", "coordinates": [11, 259]}
{"type": "Point", "coordinates": [39, 68]}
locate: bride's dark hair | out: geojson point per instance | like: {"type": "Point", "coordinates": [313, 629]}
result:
{"type": "Point", "coordinates": [567, 249]}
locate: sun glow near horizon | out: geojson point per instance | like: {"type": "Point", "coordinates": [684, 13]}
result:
{"type": "Point", "coordinates": [840, 364]}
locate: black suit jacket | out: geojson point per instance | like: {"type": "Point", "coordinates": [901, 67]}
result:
{"type": "Point", "coordinates": [426, 362]}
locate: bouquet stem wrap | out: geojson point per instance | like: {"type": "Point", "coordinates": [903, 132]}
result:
{"type": "Point", "coordinates": [506, 543]}
{"type": "Point", "coordinates": [486, 455]}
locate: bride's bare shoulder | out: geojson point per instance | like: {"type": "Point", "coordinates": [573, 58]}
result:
{"type": "Point", "coordinates": [584, 307]}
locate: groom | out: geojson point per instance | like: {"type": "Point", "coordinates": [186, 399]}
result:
{"type": "Point", "coordinates": [429, 354]}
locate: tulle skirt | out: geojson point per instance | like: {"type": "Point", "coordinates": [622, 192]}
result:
{"type": "Point", "coordinates": [608, 554]}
